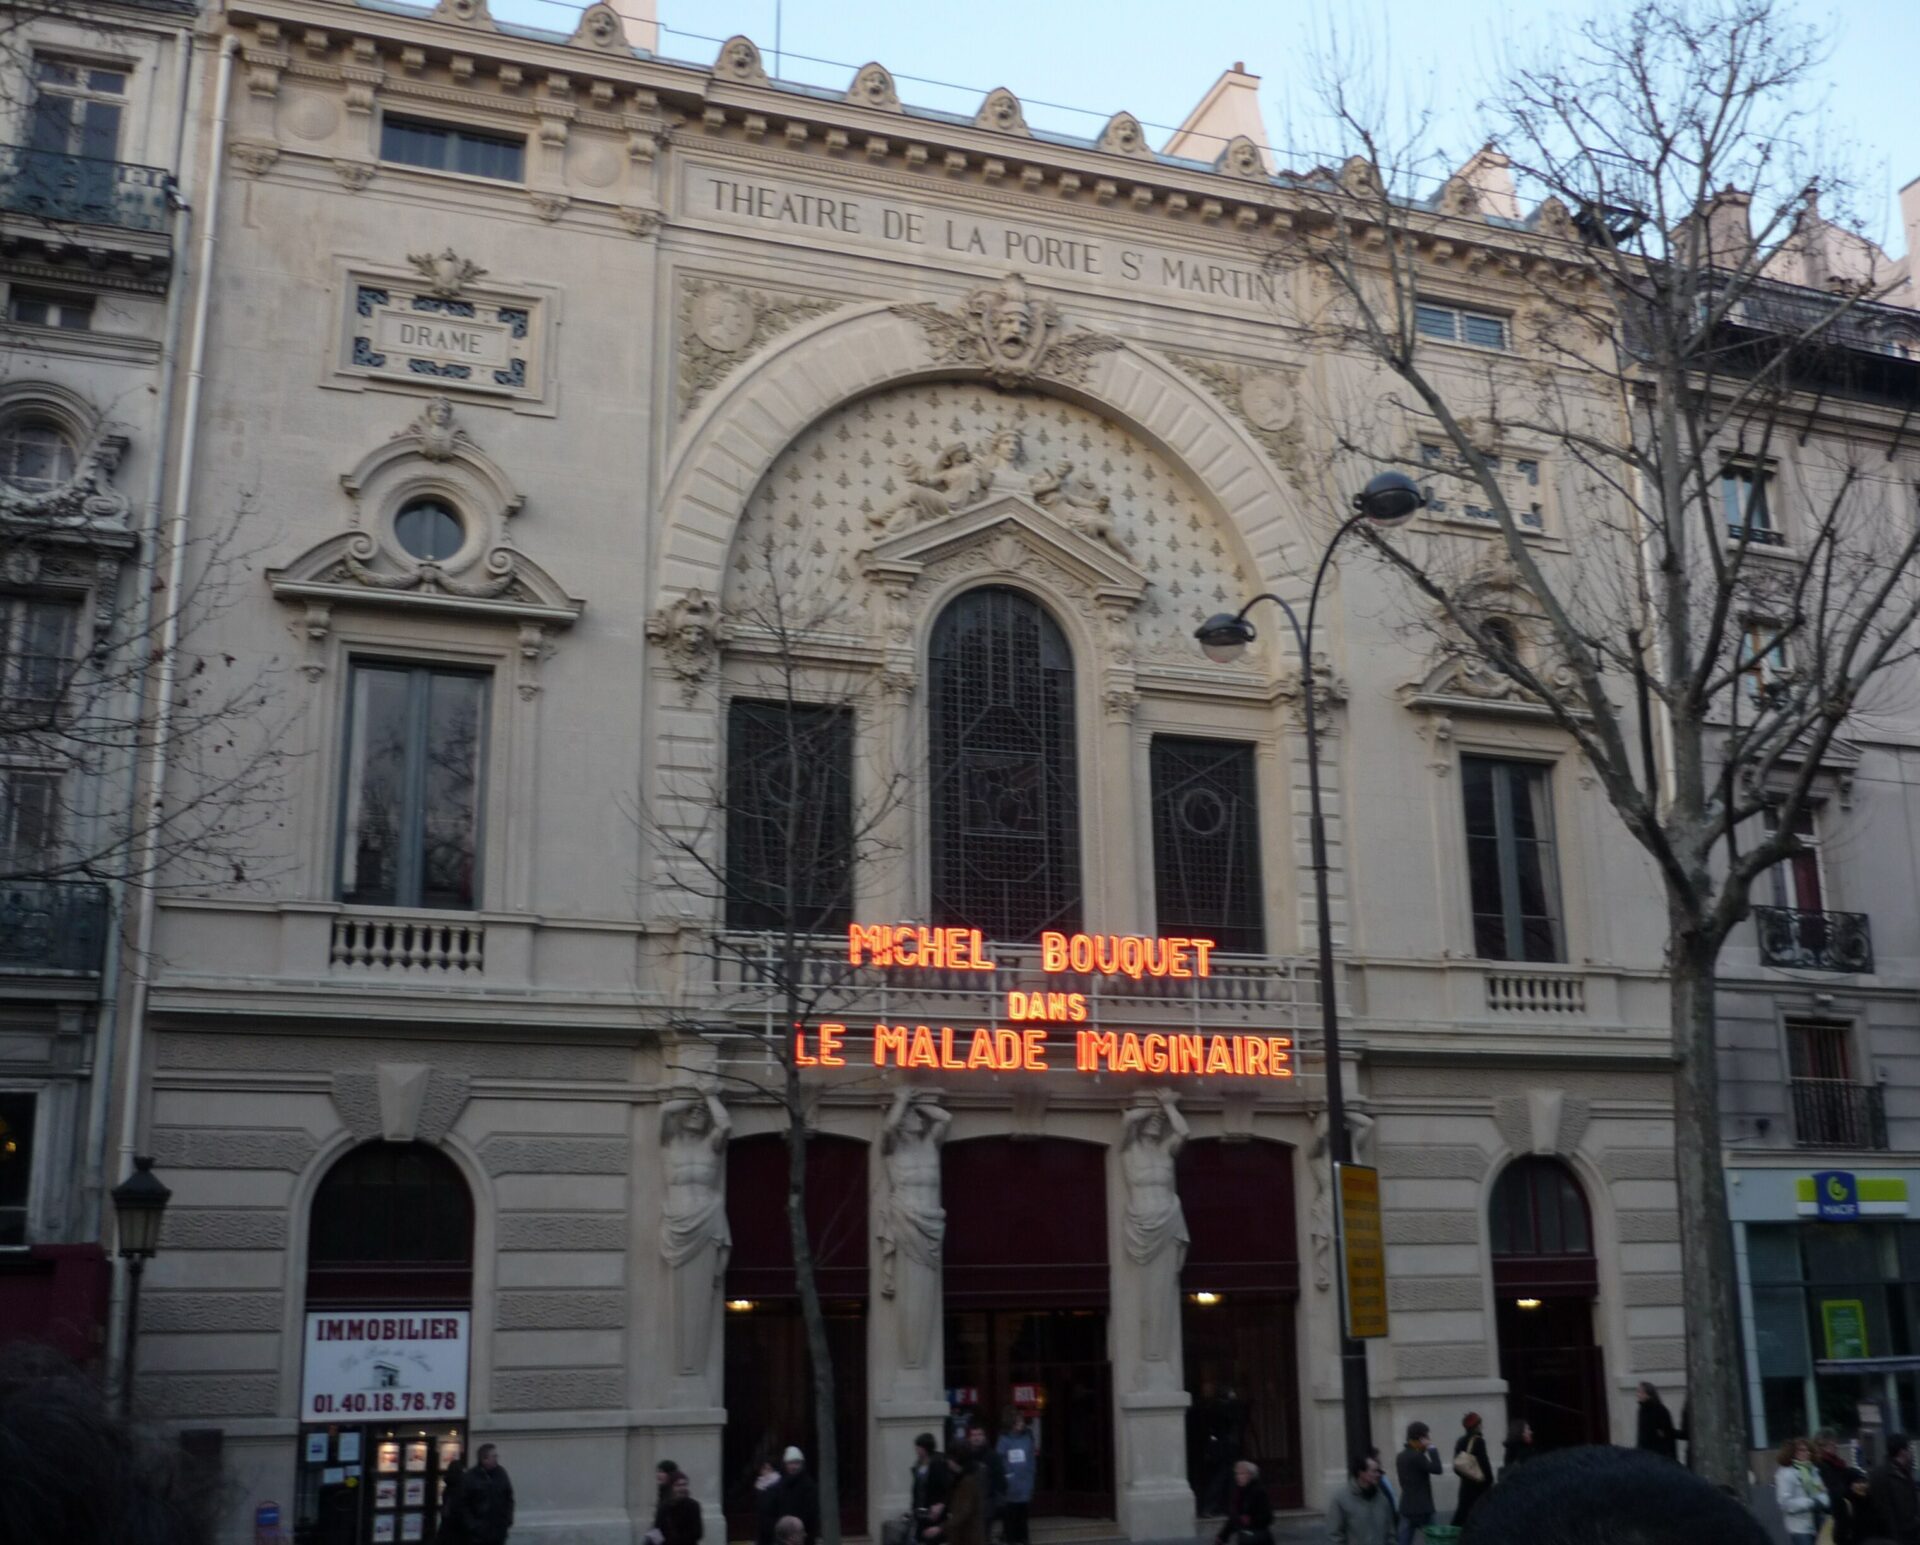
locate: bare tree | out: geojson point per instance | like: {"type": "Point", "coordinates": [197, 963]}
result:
{"type": "Point", "coordinates": [1631, 396]}
{"type": "Point", "coordinates": [772, 850]}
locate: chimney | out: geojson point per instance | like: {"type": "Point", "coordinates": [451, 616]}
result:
{"type": "Point", "coordinates": [1729, 231]}
{"type": "Point", "coordinates": [1231, 107]}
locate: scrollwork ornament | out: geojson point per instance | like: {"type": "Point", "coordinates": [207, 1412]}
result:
{"type": "Point", "coordinates": [1006, 332]}
{"type": "Point", "coordinates": [688, 632]}
{"type": "Point", "coordinates": [722, 325]}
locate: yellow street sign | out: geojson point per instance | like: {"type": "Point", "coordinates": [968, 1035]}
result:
{"type": "Point", "coordinates": [1363, 1252]}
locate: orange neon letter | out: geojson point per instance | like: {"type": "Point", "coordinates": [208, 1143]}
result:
{"type": "Point", "coordinates": [830, 1056]}
{"type": "Point", "coordinates": [889, 1038]}
{"type": "Point", "coordinates": [1033, 1049]}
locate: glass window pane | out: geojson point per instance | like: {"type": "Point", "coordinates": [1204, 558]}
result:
{"type": "Point", "coordinates": [376, 791]}
{"type": "Point", "coordinates": [1773, 1252]}
{"type": "Point", "coordinates": [428, 529]}
{"type": "Point", "coordinates": [1206, 843]}
{"type": "Point", "coordinates": [16, 1164]}
{"type": "Point", "coordinates": [451, 806]}
{"type": "Point", "coordinates": [789, 816]}
{"type": "Point", "coordinates": [1841, 1252]}
{"type": "Point", "coordinates": [1435, 321]}
{"type": "Point", "coordinates": [1780, 1331]}
{"type": "Point", "coordinates": [1487, 332]}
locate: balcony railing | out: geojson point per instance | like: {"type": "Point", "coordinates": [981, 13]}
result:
{"type": "Point", "coordinates": [82, 190]}
{"type": "Point", "coordinates": [1835, 1113]}
{"type": "Point", "coordinates": [52, 928]}
{"type": "Point", "coordinates": [1814, 941]}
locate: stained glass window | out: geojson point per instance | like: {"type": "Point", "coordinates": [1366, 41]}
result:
{"type": "Point", "coordinates": [1206, 843]}
{"type": "Point", "coordinates": [789, 817]}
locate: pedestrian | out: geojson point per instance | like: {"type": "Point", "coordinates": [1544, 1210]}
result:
{"type": "Point", "coordinates": [932, 1485]}
{"type": "Point", "coordinates": [681, 1523]}
{"type": "Point", "coordinates": [1018, 1461]}
{"type": "Point", "coordinates": [1473, 1464]}
{"type": "Point", "coordinates": [1798, 1489]}
{"type": "Point", "coordinates": [1519, 1445]}
{"type": "Point", "coordinates": [453, 1527]}
{"type": "Point", "coordinates": [1416, 1464]}
{"type": "Point", "coordinates": [1656, 1434]}
{"type": "Point", "coordinates": [967, 1503]}
{"type": "Point", "coordinates": [1848, 1498]}
{"type": "Point", "coordinates": [663, 1474]}
{"type": "Point", "coordinates": [1583, 1496]}
{"type": "Point", "coordinates": [1386, 1487]}
{"type": "Point", "coordinates": [766, 1505]}
{"type": "Point", "coordinates": [1360, 1513]}
{"type": "Point", "coordinates": [795, 1493]}
{"type": "Point", "coordinates": [1890, 1511]}
{"type": "Point", "coordinates": [1249, 1519]}
{"type": "Point", "coordinates": [486, 1499]}
{"type": "Point", "coordinates": [993, 1473]}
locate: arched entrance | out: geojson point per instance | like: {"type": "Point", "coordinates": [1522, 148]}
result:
{"type": "Point", "coordinates": [1026, 1286]}
{"type": "Point", "coordinates": [388, 1334]}
{"type": "Point", "coordinates": [1545, 1280]}
{"type": "Point", "coordinates": [1240, 1287]}
{"type": "Point", "coordinates": [769, 1376]}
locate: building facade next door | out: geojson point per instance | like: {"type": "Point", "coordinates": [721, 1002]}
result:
{"type": "Point", "coordinates": [1026, 1287]}
{"type": "Point", "coordinates": [1545, 1281]}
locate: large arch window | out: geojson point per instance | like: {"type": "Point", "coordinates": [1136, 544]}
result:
{"type": "Point", "coordinates": [392, 1222]}
{"type": "Point", "coordinates": [1538, 1209]}
{"type": "Point", "coordinates": [1006, 830]}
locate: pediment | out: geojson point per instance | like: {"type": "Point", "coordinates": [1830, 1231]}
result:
{"type": "Point", "coordinates": [352, 569]}
{"type": "Point", "coordinates": [1009, 529]}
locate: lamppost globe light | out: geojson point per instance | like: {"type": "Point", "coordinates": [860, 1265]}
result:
{"type": "Point", "coordinates": [1390, 499]}
{"type": "Point", "coordinates": [1224, 637]}
{"type": "Point", "coordinates": [139, 1202]}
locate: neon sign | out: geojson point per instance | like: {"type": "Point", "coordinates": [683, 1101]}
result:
{"type": "Point", "coordinates": [1037, 1014]}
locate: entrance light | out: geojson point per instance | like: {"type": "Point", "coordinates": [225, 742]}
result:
{"type": "Point", "coordinates": [1208, 1299]}
{"type": "Point", "coordinates": [1526, 1303]}
{"type": "Point", "coordinates": [1224, 637]}
{"type": "Point", "coordinates": [740, 1306]}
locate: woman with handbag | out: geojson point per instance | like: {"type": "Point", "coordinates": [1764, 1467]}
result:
{"type": "Point", "coordinates": [1798, 1489]}
{"type": "Point", "coordinates": [1474, 1466]}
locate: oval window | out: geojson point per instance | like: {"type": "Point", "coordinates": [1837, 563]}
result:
{"type": "Point", "coordinates": [429, 530]}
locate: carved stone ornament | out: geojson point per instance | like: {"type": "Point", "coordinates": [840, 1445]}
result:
{"type": "Point", "coordinates": [549, 206]}
{"type": "Point", "coordinates": [466, 13]}
{"type": "Point", "coordinates": [1002, 113]}
{"type": "Point", "coordinates": [1266, 401]}
{"type": "Point", "coordinates": [1123, 136]}
{"type": "Point", "coordinates": [354, 175]}
{"type": "Point", "coordinates": [721, 325]}
{"type": "Point", "coordinates": [689, 633]}
{"type": "Point", "coordinates": [1459, 675]}
{"type": "Point", "coordinates": [254, 157]}
{"type": "Point", "coordinates": [1011, 336]}
{"type": "Point", "coordinates": [447, 273]}
{"type": "Point", "coordinates": [873, 87]}
{"type": "Point", "coordinates": [600, 27]}
{"type": "Point", "coordinates": [641, 222]}
{"type": "Point", "coordinates": [1242, 158]}
{"type": "Point", "coordinates": [1552, 219]}
{"type": "Point", "coordinates": [740, 61]}
{"type": "Point", "coordinates": [86, 501]}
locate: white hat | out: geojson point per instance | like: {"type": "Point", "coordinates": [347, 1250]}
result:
{"type": "Point", "coordinates": [793, 1456]}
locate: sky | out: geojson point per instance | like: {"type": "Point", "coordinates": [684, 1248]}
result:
{"type": "Point", "coordinates": [1156, 58]}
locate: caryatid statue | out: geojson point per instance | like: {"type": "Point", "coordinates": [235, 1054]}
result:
{"type": "Point", "coordinates": [693, 1228]}
{"type": "Point", "coordinates": [913, 1224]}
{"type": "Point", "coordinates": [1153, 1133]}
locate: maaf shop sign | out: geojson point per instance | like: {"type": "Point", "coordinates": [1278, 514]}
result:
{"type": "Point", "coordinates": [1043, 1029]}
{"type": "Point", "coordinates": [375, 1363]}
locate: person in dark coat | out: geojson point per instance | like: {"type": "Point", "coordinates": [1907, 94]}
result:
{"type": "Point", "coordinates": [967, 1502]}
{"type": "Point", "coordinates": [1850, 1508]}
{"type": "Point", "coordinates": [680, 1520]}
{"type": "Point", "coordinates": [486, 1499]}
{"type": "Point", "coordinates": [1472, 1441]}
{"type": "Point", "coordinates": [988, 1458]}
{"type": "Point", "coordinates": [1416, 1464]}
{"type": "Point", "coordinates": [453, 1527]}
{"type": "Point", "coordinates": [1249, 1519]}
{"type": "Point", "coordinates": [1656, 1431]}
{"type": "Point", "coordinates": [1579, 1496]}
{"type": "Point", "coordinates": [766, 1505]}
{"type": "Point", "coordinates": [1890, 1511]}
{"type": "Point", "coordinates": [794, 1494]}
{"type": "Point", "coordinates": [1519, 1444]}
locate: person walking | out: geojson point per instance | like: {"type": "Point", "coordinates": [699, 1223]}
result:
{"type": "Point", "coordinates": [1656, 1432]}
{"type": "Point", "coordinates": [1798, 1489]}
{"type": "Point", "coordinates": [795, 1493]}
{"type": "Point", "coordinates": [967, 1504]}
{"type": "Point", "coordinates": [931, 1485]}
{"type": "Point", "coordinates": [1018, 1461]}
{"type": "Point", "coordinates": [1416, 1465]}
{"type": "Point", "coordinates": [1519, 1445]}
{"type": "Point", "coordinates": [766, 1505]}
{"type": "Point", "coordinates": [663, 1474]}
{"type": "Point", "coordinates": [680, 1520]}
{"type": "Point", "coordinates": [994, 1475]}
{"type": "Point", "coordinates": [453, 1527]}
{"type": "Point", "coordinates": [1249, 1519]}
{"type": "Point", "coordinates": [1473, 1464]}
{"type": "Point", "coordinates": [1386, 1486]}
{"type": "Point", "coordinates": [486, 1499]}
{"type": "Point", "coordinates": [1889, 1514]}
{"type": "Point", "coordinates": [1360, 1513]}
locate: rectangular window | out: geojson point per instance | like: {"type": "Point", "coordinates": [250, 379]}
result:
{"type": "Point", "coordinates": [1763, 661]}
{"type": "Point", "coordinates": [48, 308]}
{"type": "Point", "coordinates": [789, 817]}
{"type": "Point", "coordinates": [76, 109]}
{"type": "Point", "coordinates": [1511, 868]}
{"type": "Point", "coordinates": [1518, 478]}
{"type": "Point", "coordinates": [447, 147]}
{"type": "Point", "coordinates": [1455, 324]}
{"type": "Point", "coordinates": [29, 821]}
{"type": "Point", "coordinates": [36, 654]}
{"type": "Point", "coordinates": [410, 816]}
{"type": "Point", "coordinates": [1745, 507]}
{"type": "Point", "coordinates": [1819, 1049]}
{"type": "Point", "coordinates": [16, 1164]}
{"type": "Point", "coordinates": [1796, 881]}
{"type": "Point", "coordinates": [1206, 843]}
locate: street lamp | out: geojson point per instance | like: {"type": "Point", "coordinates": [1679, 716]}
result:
{"type": "Point", "coordinates": [1390, 499]}
{"type": "Point", "coordinates": [139, 1202]}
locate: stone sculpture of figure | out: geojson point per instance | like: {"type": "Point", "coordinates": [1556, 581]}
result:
{"type": "Point", "coordinates": [1320, 1218]}
{"type": "Point", "coordinates": [954, 481]}
{"type": "Point", "coordinates": [914, 1224]}
{"type": "Point", "coordinates": [1152, 1135]}
{"type": "Point", "coordinates": [693, 1229]}
{"type": "Point", "coordinates": [1079, 503]}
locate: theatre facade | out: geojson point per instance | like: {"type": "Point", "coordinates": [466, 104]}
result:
{"type": "Point", "coordinates": [636, 446]}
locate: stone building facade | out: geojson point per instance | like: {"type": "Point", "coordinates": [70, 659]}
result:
{"type": "Point", "coordinates": [599, 412]}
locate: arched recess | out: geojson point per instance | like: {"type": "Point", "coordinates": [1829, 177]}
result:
{"type": "Point", "coordinates": [1026, 1281]}
{"type": "Point", "coordinates": [768, 1389]}
{"type": "Point", "coordinates": [1546, 1280]}
{"type": "Point", "coordinates": [1241, 1287]}
{"type": "Point", "coordinates": [391, 1223]}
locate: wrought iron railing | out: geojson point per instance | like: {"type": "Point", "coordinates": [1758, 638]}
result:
{"type": "Point", "coordinates": [83, 190]}
{"type": "Point", "coordinates": [53, 928]}
{"type": "Point", "coordinates": [1836, 1113]}
{"type": "Point", "coordinates": [1814, 941]}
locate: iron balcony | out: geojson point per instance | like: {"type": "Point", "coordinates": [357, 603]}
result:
{"type": "Point", "coordinates": [1814, 941]}
{"type": "Point", "coordinates": [52, 928]}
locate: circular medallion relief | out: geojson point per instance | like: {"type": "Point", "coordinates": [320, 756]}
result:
{"type": "Point", "coordinates": [723, 320]}
{"type": "Point", "coordinates": [311, 117]}
{"type": "Point", "coordinates": [1266, 399]}
{"type": "Point", "coordinates": [596, 166]}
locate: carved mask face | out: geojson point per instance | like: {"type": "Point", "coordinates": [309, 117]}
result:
{"type": "Point", "coordinates": [1012, 323]}
{"type": "Point", "coordinates": [697, 1120]}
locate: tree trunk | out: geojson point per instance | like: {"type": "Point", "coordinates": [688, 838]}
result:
{"type": "Point", "coordinates": [1716, 1426]}
{"type": "Point", "coordinates": [826, 1458]}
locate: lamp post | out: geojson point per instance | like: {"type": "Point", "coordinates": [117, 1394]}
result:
{"type": "Point", "coordinates": [139, 1202]}
{"type": "Point", "coordinates": [1389, 499]}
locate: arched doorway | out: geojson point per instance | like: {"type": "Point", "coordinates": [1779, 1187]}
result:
{"type": "Point", "coordinates": [768, 1375]}
{"type": "Point", "coordinates": [389, 1294]}
{"type": "Point", "coordinates": [1026, 1285]}
{"type": "Point", "coordinates": [1545, 1281]}
{"type": "Point", "coordinates": [1240, 1287]}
